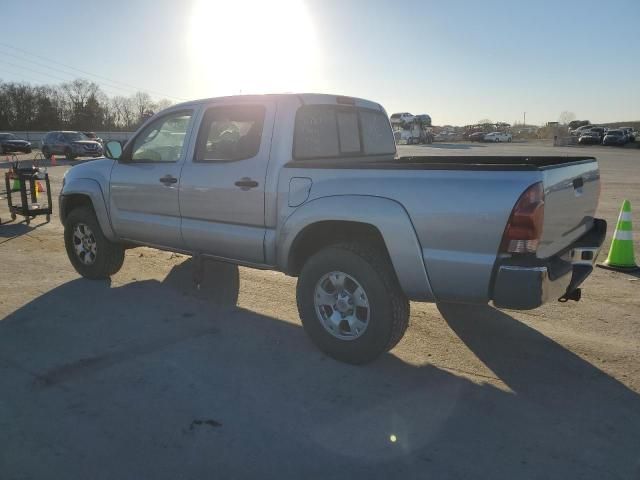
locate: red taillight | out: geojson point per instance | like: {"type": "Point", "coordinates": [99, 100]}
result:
{"type": "Point", "coordinates": [524, 227]}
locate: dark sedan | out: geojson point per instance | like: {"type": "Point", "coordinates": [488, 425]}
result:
{"type": "Point", "coordinates": [477, 136]}
{"type": "Point", "coordinates": [10, 143]}
{"type": "Point", "coordinates": [615, 137]}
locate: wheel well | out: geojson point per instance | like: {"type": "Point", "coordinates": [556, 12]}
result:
{"type": "Point", "coordinates": [70, 202]}
{"type": "Point", "coordinates": [315, 237]}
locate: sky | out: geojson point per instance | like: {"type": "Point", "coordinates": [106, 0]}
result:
{"type": "Point", "coordinates": [458, 61]}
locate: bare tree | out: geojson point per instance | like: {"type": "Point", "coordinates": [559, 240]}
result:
{"type": "Point", "coordinates": [124, 112]}
{"type": "Point", "coordinates": [79, 91]}
{"type": "Point", "coordinates": [79, 104]}
{"type": "Point", "coordinates": [162, 104]}
{"type": "Point", "coordinates": [566, 117]}
{"type": "Point", "coordinates": [143, 105]}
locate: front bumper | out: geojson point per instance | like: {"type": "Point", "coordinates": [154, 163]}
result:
{"type": "Point", "coordinates": [17, 148]}
{"type": "Point", "coordinates": [83, 152]}
{"type": "Point", "coordinates": [524, 284]}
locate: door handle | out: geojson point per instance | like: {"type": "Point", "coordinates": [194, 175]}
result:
{"type": "Point", "coordinates": [246, 183]}
{"type": "Point", "coordinates": [168, 179]}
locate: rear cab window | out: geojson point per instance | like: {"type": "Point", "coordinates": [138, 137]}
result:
{"type": "Point", "coordinates": [335, 131]}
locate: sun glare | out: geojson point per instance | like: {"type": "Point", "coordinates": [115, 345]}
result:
{"type": "Point", "coordinates": [252, 46]}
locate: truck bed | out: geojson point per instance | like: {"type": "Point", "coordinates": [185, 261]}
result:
{"type": "Point", "coordinates": [459, 205]}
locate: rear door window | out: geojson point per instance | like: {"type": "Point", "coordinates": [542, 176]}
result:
{"type": "Point", "coordinates": [230, 133]}
{"type": "Point", "coordinates": [331, 131]}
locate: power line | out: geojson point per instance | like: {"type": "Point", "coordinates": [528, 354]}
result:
{"type": "Point", "coordinates": [103, 85]}
{"type": "Point", "coordinates": [23, 76]}
{"type": "Point", "coordinates": [89, 73]}
{"type": "Point", "coordinates": [47, 74]}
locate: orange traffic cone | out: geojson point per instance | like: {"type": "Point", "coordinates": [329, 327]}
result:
{"type": "Point", "coordinates": [53, 160]}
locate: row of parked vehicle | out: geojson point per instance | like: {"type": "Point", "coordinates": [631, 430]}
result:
{"type": "Point", "coordinates": [71, 144]}
{"type": "Point", "coordinates": [493, 137]}
{"type": "Point", "coordinates": [596, 135]}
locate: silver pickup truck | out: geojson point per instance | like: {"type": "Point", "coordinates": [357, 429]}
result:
{"type": "Point", "coordinates": [311, 185]}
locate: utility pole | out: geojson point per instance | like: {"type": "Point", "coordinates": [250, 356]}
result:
{"type": "Point", "coordinates": [524, 118]}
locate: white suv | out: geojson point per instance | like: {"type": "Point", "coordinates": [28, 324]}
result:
{"type": "Point", "coordinates": [497, 137]}
{"type": "Point", "coordinates": [402, 118]}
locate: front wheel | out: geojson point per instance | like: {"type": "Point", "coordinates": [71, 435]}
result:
{"type": "Point", "coordinates": [90, 252]}
{"type": "Point", "coordinates": [351, 304]}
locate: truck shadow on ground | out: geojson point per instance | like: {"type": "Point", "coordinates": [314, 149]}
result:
{"type": "Point", "coordinates": [146, 380]}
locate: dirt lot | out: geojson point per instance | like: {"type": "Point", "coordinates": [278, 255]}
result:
{"type": "Point", "coordinates": [143, 377]}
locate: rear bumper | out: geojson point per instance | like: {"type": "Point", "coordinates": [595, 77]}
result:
{"type": "Point", "coordinates": [527, 284]}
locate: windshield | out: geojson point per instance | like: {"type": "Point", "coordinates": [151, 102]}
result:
{"type": "Point", "coordinates": [75, 136]}
{"type": "Point", "coordinates": [7, 136]}
{"type": "Point", "coordinates": [614, 132]}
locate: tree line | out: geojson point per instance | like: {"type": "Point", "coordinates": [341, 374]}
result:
{"type": "Point", "coordinates": [76, 105]}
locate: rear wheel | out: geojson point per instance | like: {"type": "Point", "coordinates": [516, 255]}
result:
{"type": "Point", "coordinates": [90, 252]}
{"type": "Point", "coordinates": [351, 304]}
{"type": "Point", "coordinates": [46, 153]}
{"type": "Point", "coordinates": [68, 153]}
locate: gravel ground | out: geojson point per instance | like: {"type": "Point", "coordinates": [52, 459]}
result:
{"type": "Point", "coordinates": [144, 377]}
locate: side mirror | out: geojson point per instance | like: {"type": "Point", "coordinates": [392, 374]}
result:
{"type": "Point", "coordinates": [113, 150]}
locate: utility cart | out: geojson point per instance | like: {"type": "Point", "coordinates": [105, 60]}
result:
{"type": "Point", "coordinates": [30, 206]}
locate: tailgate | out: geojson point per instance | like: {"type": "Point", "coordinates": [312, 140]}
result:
{"type": "Point", "coordinates": [571, 199]}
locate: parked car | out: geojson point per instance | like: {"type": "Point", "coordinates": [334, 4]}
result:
{"type": "Point", "coordinates": [10, 143]}
{"type": "Point", "coordinates": [580, 130]}
{"type": "Point", "coordinates": [311, 186]}
{"type": "Point", "coordinates": [402, 118]}
{"type": "Point", "coordinates": [590, 138]}
{"type": "Point", "coordinates": [574, 124]}
{"type": "Point", "coordinates": [477, 137]}
{"type": "Point", "coordinates": [70, 144]}
{"type": "Point", "coordinates": [423, 119]}
{"type": "Point", "coordinates": [615, 137]}
{"type": "Point", "coordinates": [600, 131]}
{"type": "Point", "coordinates": [94, 137]}
{"type": "Point", "coordinates": [629, 133]}
{"type": "Point", "coordinates": [497, 137]}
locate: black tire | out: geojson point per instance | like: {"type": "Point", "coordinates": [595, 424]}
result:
{"type": "Point", "coordinates": [68, 153]}
{"type": "Point", "coordinates": [45, 153]}
{"type": "Point", "coordinates": [389, 307]}
{"type": "Point", "coordinates": [109, 255]}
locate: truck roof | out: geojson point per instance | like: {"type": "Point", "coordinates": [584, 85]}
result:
{"type": "Point", "coordinates": [304, 98]}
